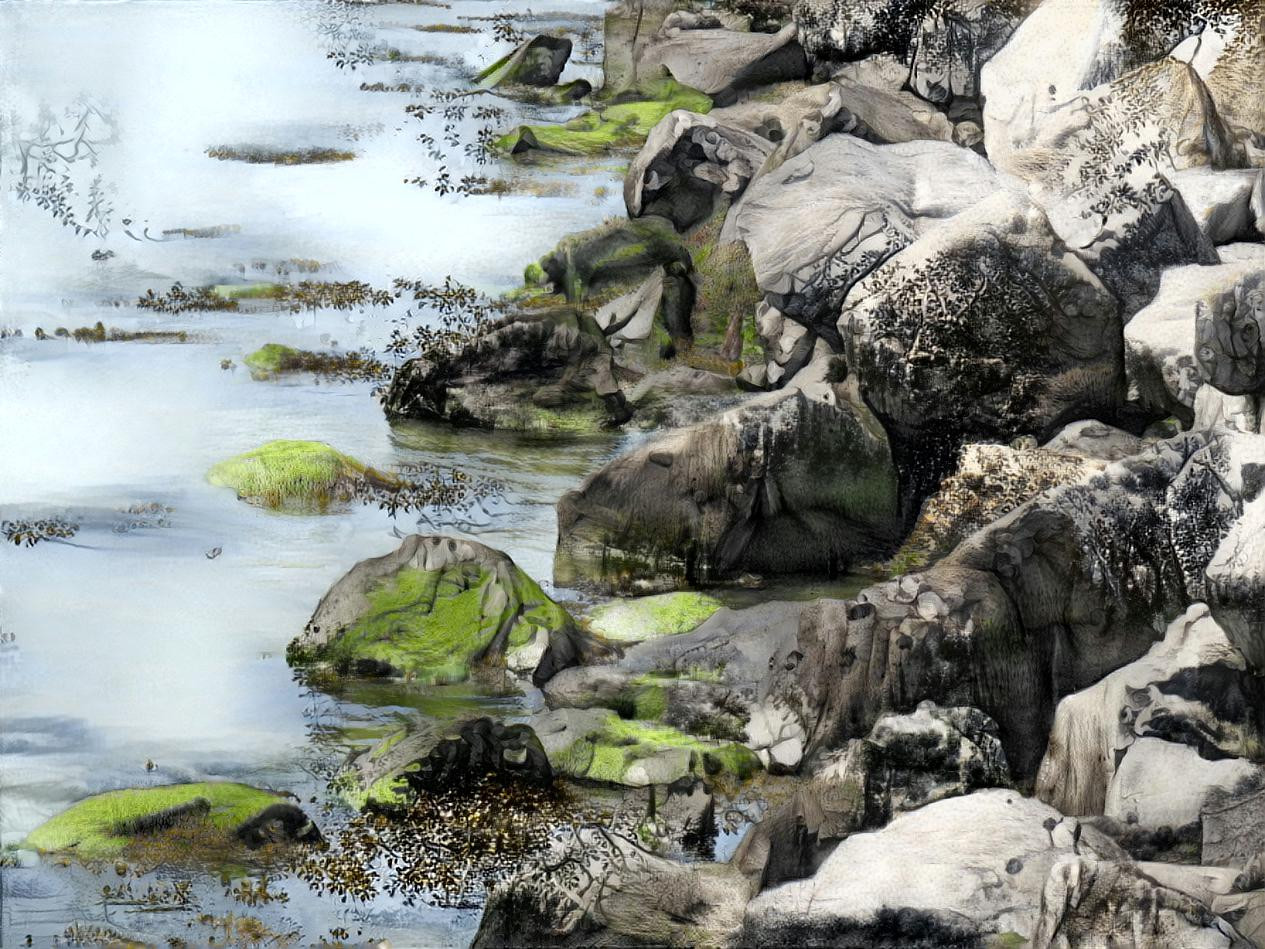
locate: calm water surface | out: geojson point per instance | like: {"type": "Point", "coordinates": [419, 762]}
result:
{"type": "Point", "coordinates": [131, 644]}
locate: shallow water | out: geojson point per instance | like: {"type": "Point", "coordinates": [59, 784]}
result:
{"type": "Point", "coordinates": [130, 644]}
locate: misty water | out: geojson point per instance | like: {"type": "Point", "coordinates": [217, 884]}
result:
{"type": "Point", "coordinates": [130, 644]}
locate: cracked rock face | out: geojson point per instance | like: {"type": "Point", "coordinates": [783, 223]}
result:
{"type": "Point", "coordinates": [1044, 602]}
{"type": "Point", "coordinates": [1190, 704]}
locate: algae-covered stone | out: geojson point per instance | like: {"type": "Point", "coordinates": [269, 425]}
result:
{"type": "Point", "coordinates": [538, 62]}
{"type": "Point", "coordinates": [646, 617]}
{"type": "Point", "coordinates": [296, 474]}
{"type": "Point", "coordinates": [598, 745]}
{"type": "Point", "coordinates": [210, 815]}
{"type": "Point", "coordinates": [623, 123]}
{"type": "Point", "coordinates": [436, 610]}
{"type": "Point", "coordinates": [271, 359]}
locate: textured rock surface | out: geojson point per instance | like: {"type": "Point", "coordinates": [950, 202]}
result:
{"type": "Point", "coordinates": [784, 484]}
{"type": "Point", "coordinates": [1221, 203]}
{"type": "Point", "coordinates": [1162, 339]}
{"type": "Point", "coordinates": [538, 62]}
{"type": "Point", "coordinates": [1194, 690]}
{"type": "Point", "coordinates": [981, 860]}
{"type": "Point", "coordinates": [827, 217]}
{"type": "Point", "coordinates": [1092, 902]}
{"type": "Point", "coordinates": [1042, 603]}
{"type": "Point", "coordinates": [690, 160]}
{"type": "Point", "coordinates": [529, 372]}
{"type": "Point", "coordinates": [992, 307]}
{"type": "Point", "coordinates": [440, 609]}
{"type": "Point", "coordinates": [722, 62]}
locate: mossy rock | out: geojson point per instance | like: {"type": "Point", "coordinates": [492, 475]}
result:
{"type": "Point", "coordinates": [648, 617]}
{"type": "Point", "coordinates": [600, 746]}
{"type": "Point", "coordinates": [624, 124]}
{"type": "Point", "coordinates": [295, 474]}
{"type": "Point", "coordinates": [440, 610]}
{"type": "Point", "coordinates": [273, 359]}
{"type": "Point", "coordinates": [616, 254]}
{"type": "Point", "coordinates": [250, 291]}
{"type": "Point", "coordinates": [204, 815]}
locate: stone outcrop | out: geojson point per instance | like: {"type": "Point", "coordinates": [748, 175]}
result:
{"type": "Point", "coordinates": [538, 62]}
{"type": "Point", "coordinates": [1161, 341]}
{"type": "Point", "coordinates": [690, 160]}
{"type": "Point", "coordinates": [951, 873]}
{"type": "Point", "coordinates": [1042, 603]}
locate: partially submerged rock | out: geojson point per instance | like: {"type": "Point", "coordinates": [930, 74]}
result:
{"type": "Point", "coordinates": [296, 475]}
{"type": "Point", "coordinates": [782, 485]}
{"type": "Point", "coordinates": [623, 122]}
{"type": "Point", "coordinates": [205, 820]}
{"type": "Point", "coordinates": [647, 617]}
{"type": "Point", "coordinates": [548, 370]}
{"type": "Point", "coordinates": [598, 745]}
{"type": "Point", "coordinates": [538, 62]}
{"type": "Point", "coordinates": [436, 610]}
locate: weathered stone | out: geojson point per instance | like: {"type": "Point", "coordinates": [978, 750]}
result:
{"type": "Point", "coordinates": [992, 307]}
{"type": "Point", "coordinates": [784, 484]}
{"type": "Point", "coordinates": [827, 217]}
{"type": "Point", "coordinates": [538, 62]}
{"type": "Point", "coordinates": [722, 63]}
{"type": "Point", "coordinates": [981, 863]}
{"type": "Point", "coordinates": [1221, 203]}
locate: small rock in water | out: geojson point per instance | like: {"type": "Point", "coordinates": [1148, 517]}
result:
{"type": "Point", "coordinates": [214, 552]}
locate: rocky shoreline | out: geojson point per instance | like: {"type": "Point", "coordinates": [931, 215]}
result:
{"type": "Point", "coordinates": [967, 296]}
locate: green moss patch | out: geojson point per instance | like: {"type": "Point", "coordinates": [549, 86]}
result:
{"type": "Point", "coordinates": [300, 474]}
{"type": "Point", "coordinates": [623, 124]}
{"type": "Point", "coordinates": [436, 626]}
{"type": "Point", "coordinates": [272, 359]}
{"type": "Point", "coordinates": [91, 828]}
{"type": "Point", "coordinates": [637, 753]}
{"type": "Point", "coordinates": [648, 617]}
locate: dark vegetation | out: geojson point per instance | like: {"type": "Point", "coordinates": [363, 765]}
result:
{"type": "Point", "coordinates": [31, 532]}
{"type": "Point", "coordinates": [97, 333]}
{"type": "Point", "coordinates": [264, 155]}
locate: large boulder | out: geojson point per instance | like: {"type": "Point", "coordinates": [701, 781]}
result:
{"type": "Point", "coordinates": [827, 217]}
{"type": "Point", "coordinates": [721, 62]}
{"type": "Point", "coordinates": [538, 62]}
{"type": "Point", "coordinates": [992, 307]}
{"type": "Point", "coordinates": [440, 609]}
{"type": "Point", "coordinates": [1162, 339]}
{"type": "Point", "coordinates": [1066, 47]}
{"type": "Point", "coordinates": [1237, 78]}
{"type": "Point", "coordinates": [1042, 603]}
{"type": "Point", "coordinates": [1193, 692]}
{"type": "Point", "coordinates": [1221, 203]}
{"type": "Point", "coordinates": [532, 371]}
{"type": "Point", "coordinates": [705, 682]}
{"type": "Point", "coordinates": [690, 160]}
{"type": "Point", "coordinates": [1101, 170]}
{"type": "Point", "coordinates": [782, 485]}
{"type": "Point", "coordinates": [981, 864]}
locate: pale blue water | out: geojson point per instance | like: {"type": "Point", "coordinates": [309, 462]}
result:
{"type": "Point", "coordinates": [132, 644]}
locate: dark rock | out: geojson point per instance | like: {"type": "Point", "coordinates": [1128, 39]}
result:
{"type": "Point", "coordinates": [538, 62]}
{"type": "Point", "coordinates": [278, 824]}
{"type": "Point", "coordinates": [480, 749]}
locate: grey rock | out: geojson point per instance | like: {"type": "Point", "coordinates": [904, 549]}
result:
{"type": "Point", "coordinates": [722, 63]}
{"type": "Point", "coordinates": [783, 484]}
